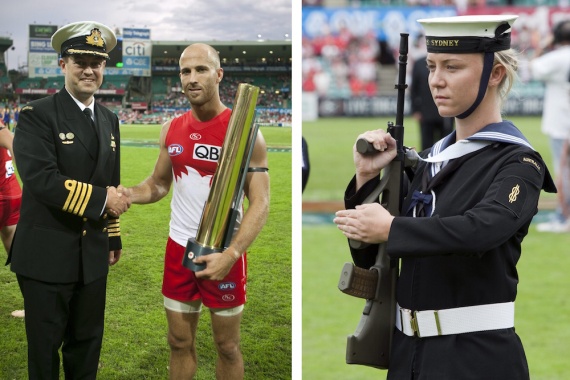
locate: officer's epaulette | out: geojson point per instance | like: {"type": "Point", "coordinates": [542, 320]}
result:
{"type": "Point", "coordinates": [26, 108]}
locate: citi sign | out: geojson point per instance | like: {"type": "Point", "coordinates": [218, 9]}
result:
{"type": "Point", "coordinates": [135, 49]}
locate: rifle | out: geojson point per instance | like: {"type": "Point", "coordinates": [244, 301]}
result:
{"type": "Point", "coordinates": [370, 344]}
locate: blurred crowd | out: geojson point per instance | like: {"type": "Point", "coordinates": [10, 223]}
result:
{"type": "Point", "coordinates": [343, 65]}
{"type": "Point", "coordinates": [268, 116]}
{"type": "Point", "coordinates": [275, 92]}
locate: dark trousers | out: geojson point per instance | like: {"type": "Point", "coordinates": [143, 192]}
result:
{"type": "Point", "coordinates": [70, 316]}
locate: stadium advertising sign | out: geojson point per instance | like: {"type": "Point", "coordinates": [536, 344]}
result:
{"type": "Point", "coordinates": [255, 68]}
{"type": "Point", "coordinates": [40, 46]}
{"type": "Point", "coordinates": [137, 51]}
{"type": "Point", "coordinates": [42, 59]}
{"type": "Point", "coordinates": [387, 105]}
{"type": "Point", "coordinates": [47, 60]}
{"type": "Point", "coordinates": [45, 72]}
{"type": "Point", "coordinates": [385, 22]}
{"type": "Point", "coordinates": [42, 31]}
{"type": "Point", "coordinates": [50, 91]}
{"type": "Point", "coordinates": [36, 91]}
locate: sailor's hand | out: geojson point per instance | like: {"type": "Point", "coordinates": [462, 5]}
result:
{"type": "Point", "coordinates": [368, 223]}
{"type": "Point", "coordinates": [369, 165]}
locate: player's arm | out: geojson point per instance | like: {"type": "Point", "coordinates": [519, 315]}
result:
{"type": "Point", "coordinates": [157, 185]}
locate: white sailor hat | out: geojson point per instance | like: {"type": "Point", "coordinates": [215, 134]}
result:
{"type": "Point", "coordinates": [468, 34]}
{"type": "Point", "coordinates": [84, 37]}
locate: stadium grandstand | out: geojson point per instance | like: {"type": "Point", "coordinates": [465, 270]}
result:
{"type": "Point", "coordinates": [350, 50]}
{"type": "Point", "coordinates": [158, 97]}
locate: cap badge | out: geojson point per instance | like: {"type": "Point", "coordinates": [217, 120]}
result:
{"type": "Point", "coordinates": [95, 38]}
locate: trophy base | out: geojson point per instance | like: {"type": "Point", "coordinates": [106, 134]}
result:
{"type": "Point", "coordinates": [193, 250]}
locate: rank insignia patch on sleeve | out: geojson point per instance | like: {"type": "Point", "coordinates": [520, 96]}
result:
{"type": "Point", "coordinates": [512, 194]}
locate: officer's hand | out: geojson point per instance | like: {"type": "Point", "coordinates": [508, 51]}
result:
{"type": "Point", "coordinates": [114, 256]}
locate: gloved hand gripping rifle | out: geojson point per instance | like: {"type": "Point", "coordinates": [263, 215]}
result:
{"type": "Point", "coordinates": [370, 343]}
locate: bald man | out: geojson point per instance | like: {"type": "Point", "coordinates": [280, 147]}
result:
{"type": "Point", "coordinates": [190, 146]}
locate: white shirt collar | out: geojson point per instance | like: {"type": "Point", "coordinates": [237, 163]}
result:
{"type": "Point", "coordinates": [82, 106]}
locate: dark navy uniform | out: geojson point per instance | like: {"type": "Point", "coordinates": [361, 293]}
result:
{"type": "Point", "coordinates": [64, 236]}
{"type": "Point", "coordinates": [65, 241]}
{"type": "Point", "coordinates": [65, 166]}
{"type": "Point", "coordinates": [465, 254]}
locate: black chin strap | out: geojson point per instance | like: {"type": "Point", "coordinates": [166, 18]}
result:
{"type": "Point", "coordinates": [501, 41]}
{"type": "Point", "coordinates": [485, 75]}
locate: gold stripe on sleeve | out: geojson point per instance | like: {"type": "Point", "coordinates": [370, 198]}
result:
{"type": "Point", "coordinates": [75, 196]}
{"type": "Point", "coordinates": [87, 197]}
{"type": "Point", "coordinates": [114, 228]}
{"type": "Point", "coordinates": [81, 199]}
{"type": "Point", "coordinates": [78, 197]}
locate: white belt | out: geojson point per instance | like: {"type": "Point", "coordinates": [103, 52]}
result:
{"type": "Point", "coordinates": [455, 321]}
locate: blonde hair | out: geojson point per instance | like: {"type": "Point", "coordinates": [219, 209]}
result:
{"type": "Point", "coordinates": [510, 60]}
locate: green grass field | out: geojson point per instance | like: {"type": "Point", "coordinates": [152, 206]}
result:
{"type": "Point", "coordinates": [329, 315]}
{"type": "Point", "coordinates": [134, 345]}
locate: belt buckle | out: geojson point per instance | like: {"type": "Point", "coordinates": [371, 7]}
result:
{"type": "Point", "coordinates": [413, 320]}
{"type": "Point", "coordinates": [414, 324]}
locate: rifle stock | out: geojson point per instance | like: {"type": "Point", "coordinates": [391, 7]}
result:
{"type": "Point", "coordinates": [370, 344]}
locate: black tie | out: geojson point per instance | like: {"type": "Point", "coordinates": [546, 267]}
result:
{"type": "Point", "coordinates": [93, 142]}
{"type": "Point", "coordinates": [88, 114]}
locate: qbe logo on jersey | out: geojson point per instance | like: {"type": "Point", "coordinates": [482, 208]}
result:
{"type": "Point", "coordinates": [206, 152]}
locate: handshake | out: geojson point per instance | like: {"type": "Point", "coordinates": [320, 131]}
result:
{"type": "Point", "coordinates": [118, 200]}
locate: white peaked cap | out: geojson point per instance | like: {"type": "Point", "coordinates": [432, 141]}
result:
{"type": "Point", "coordinates": [84, 37]}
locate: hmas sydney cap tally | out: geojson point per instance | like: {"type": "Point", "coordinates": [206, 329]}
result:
{"type": "Point", "coordinates": [468, 34]}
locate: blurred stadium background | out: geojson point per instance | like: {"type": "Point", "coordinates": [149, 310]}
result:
{"type": "Point", "coordinates": [350, 49]}
{"type": "Point", "coordinates": [141, 82]}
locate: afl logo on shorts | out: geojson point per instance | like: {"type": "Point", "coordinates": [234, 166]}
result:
{"type": "Point", "coordinates": [227, 286]}
{"type": "Point", "coordinates": [195, 136]}
{"type": "Point", "coordinates": [228, 297]}
{"type": "Point", "coordinates": [175, 149]}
